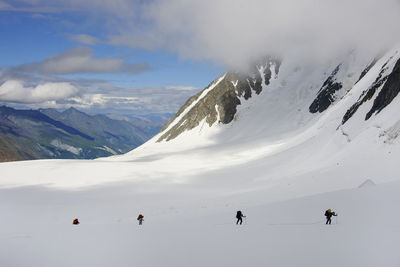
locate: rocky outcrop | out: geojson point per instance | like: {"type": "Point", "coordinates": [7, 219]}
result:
{"type": "Point", "coordinates": [389, 91]}
{"type": "Point", "coordinates": [386, 95]}
{"type": "Point", "coordinates": [218, 102]}
{"type": "Point", "coordinates": [326, 95]}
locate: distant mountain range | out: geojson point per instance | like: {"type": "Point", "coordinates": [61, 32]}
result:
{"type": "Point", "coordinates": [48, 133]}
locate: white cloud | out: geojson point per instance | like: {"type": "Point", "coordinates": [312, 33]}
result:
{"type": "Point", "coordinates": [149, 99]}
{"type": "Point", "coordinates": [99, 97]}
{"type": "Point", "coordinates": [232, 32]}
{"type": "Point", "coordinates": [84, 39]}
{"type": "Point", "coordinates": [81, 60]}
{"type": "Point", "coordinates": [182, 88]}
{"type": "Point", "coordinates": [103, 100]}
{"type": "Point", "coordinates": [16, 91]}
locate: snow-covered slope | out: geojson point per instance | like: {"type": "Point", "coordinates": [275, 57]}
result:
{"type": "Point", "coordinates": [283, 116]}
{"type": "Point", "coordinates": [284, 130]}
{"type": "Point", "coordinates": [194, 226]}
{"type": "Point", "coordinates": [279, 124]}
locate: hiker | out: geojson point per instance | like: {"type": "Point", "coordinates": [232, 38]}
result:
{"type": "Point", "coordinates": [75, 221]}
{"type": "Point", "coordinates": [140, 219]}
{"type": "Point", "coordinates": [239, 216]}
{"type": "Point", "coordinates": [329, 213]}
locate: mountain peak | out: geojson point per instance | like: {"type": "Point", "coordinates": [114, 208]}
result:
{"type": "Point", "coordinates": [277, 98]}
{"type": "Point", "coordinates": [218, 102]}
{"type": "Point", "coordinates": [72, 110]}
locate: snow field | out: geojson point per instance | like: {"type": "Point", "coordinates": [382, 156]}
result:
{"type": "Point", "coordinates": [183, 230]}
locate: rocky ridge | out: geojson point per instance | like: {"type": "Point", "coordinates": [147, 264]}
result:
{"type": "Point", "coordinates": [318, 87]}
{"type": "Point", "coordinates": [219, 100]}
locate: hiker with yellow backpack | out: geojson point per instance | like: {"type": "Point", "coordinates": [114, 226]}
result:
{"type": "Point", "coordinates": [328, 214]}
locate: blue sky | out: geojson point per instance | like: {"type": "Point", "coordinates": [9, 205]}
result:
{"type": "Point", "coordinates": [31, 34]}
{"type": "Point", "coordinates": [32, 38]}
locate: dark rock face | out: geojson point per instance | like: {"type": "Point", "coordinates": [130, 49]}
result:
{"type": "Point", "coordinates": [326, 95]}
{"type": "Point", "coordinates": [369, 93]}
{"type": "Point", "coordinates": [389, 91]}
{"type": "Point", "coordinates": [220, 103]}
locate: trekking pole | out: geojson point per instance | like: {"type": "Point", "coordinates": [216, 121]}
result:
{"type": "Point", "coordinates": [245, 219]}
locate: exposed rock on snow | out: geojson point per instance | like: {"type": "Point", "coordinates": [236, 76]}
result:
{"type": "Point", "coordinates": [386, 95]}
{"type": "Point", "coordinates": [326, 95]}
{"type": "Point", "coordinates": [389, 91]}
{"type": "Point", "coordinates": [226, 93]}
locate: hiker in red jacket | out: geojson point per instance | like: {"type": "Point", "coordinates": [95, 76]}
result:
{"type": "Point", "coordinates": [140, 218]}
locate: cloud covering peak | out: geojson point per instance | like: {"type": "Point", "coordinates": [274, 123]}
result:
{"type": "Point", "coordinates": [233, 32]}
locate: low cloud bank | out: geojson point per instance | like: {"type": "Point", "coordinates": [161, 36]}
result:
{"type": "Point", "coordinates": [17, 91]}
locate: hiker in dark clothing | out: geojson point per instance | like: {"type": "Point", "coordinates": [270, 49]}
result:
{"type": "Point", "coordinates": [239, 216]}
{"type": "Point", "coordinates": [329, 213]}
{"type": "Point", "coordinates": [140, 218]}
{"type": "Point", "coordinates": [75, 221]}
